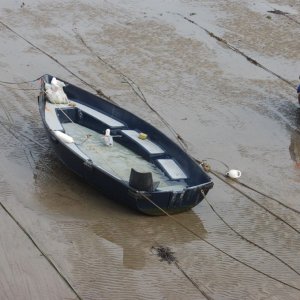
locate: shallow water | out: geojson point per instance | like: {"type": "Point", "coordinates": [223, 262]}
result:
{"type": "Point", "coordinates": [221, 104]}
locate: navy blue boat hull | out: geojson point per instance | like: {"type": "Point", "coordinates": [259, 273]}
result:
{"type": "Point", "coordinates": [150, 203]}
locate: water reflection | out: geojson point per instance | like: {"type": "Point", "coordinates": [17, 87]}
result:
{"type": "Point", "coordinates": [137, 236]}
{"type": "Point", "coordinates": [64, 194]}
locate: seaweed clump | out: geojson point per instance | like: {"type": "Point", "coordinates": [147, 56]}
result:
{"type": "Point", "coordinates": [165, 254]}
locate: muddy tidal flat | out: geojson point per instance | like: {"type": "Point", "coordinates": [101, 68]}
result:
{"type": "Point", "coordinates": [223, 75]}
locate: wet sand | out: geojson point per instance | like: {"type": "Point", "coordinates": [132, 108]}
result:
{"type": "Point", "coordinates": [223, 105]}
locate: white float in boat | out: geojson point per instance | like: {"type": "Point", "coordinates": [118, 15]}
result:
{"type": "Point", "coordinates": [64, 137]}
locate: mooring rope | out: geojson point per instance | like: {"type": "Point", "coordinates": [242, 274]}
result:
{"type": "Point", "coordinates": [267, 196]}
{"type": "Point", "coordinates": [20, 82]}
{"type": "Point", "coordinates": [137, 90]}
{"type": "Point", "coordinates": [98, 91]}
{"type": "Point", "coordinates": [208, 168]}
{"type": "Point", "coordinates": [20, 89]}
{"type": "Point", "coordinates": [246, 239]}
{"type": "Point", "coordinates": [9, 129]}
{"type": "Point", "coordinates": [214, 246]}
{"type": "Point", "coordinates": [256, 202]}
{"type": "Point", "coordinates": [40, 250]}
{"type": "Point", "coordinates": [229, 46]}
{"type": "Point", "coordinates": [193, 282]}
{"type": "Point", "coordinates": [167, 255]}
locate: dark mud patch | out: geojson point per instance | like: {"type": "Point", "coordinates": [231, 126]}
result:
{"type": "Point", "coordinates": [277, 12]}
{"type": "Point", "coordinates": [165, 254]}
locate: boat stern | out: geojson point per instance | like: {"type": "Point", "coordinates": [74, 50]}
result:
{"type": "Point", "coordinates": [160, 203]}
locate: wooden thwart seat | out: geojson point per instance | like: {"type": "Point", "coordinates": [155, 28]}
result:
{"type": "Point", "coordinates": [54, 123]}
{"type": "Point", "coordinates": [149, 146]}
{"type": "Point", "coordinates": [110, 122]}
{"type": "Point", "coordinates": [172, 169]}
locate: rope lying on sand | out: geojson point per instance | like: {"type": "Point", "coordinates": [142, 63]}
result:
{"type": "Point", "coordinates": [257, 203]}
{"type": "Point", "coordinates": [221, 176]}
{"type": "Point", "coordinates": [167, 255]}
{"type": "Point", "coordinates": [251, 60]}
{"type": "Point", "coordinates": [216, 247]}
{"type": "Point", "coordinates": [22, 82]}
{"type": "Point", "coordinates": [135, 88]}
{"type": "Point", "coordinates": [246, 239]}
{"type": "Point", "coordinates": [40, 250]}
{"type": "Point", "coordinates": [98, 91]}
{"type": "Point", "coordinates": [282, 13]}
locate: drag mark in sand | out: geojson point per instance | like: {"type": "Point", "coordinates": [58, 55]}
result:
{"type": "Point", "coordinates": [249, 241]}
{"type": "Point", "coordinates": [282, 13]}
{"type": "Point", "coordinates": [251, 60]}
{"type": "Point", "coordinates": [40, 250]}
{"type": "Point", "coordinates": [257, 203]}
{"type": "Point", "coordinates": [98, 91]}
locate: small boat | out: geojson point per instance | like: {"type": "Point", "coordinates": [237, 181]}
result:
{"type": "Point", "coordinates": [126, 158]}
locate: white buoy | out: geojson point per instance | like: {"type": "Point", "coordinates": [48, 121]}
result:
{"type": "Point", "coordinates": [234, 174]}
{"type": "Point", "coordinates": [64, 137]}
{"type": "Point", "coordinates": [108, 140]}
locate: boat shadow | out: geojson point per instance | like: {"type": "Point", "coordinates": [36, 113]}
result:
{"type": "Point", "coordinates": [62, 191]}
{"type": "Point", "coordinates": [139, 235]}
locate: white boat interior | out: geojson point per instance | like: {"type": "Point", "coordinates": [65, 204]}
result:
{"type": "Point", "coordinates": [117, 159]}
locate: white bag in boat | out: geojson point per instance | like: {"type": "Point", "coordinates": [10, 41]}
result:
{"type": "Point", "coordinates": [58, 83]}
{"type": "Point", "coordinates": [64, 137]}
{"type": "Point", "coordinates": [47, 86]}
{"type": "Point", "coordinates": [55, 92]}
{"type": "Point", "coordinates": [57, 97]}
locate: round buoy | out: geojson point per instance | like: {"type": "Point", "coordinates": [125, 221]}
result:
{"type": "Point", "coordinates": [234, 174]}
